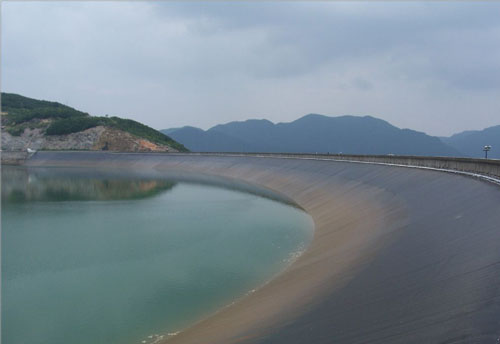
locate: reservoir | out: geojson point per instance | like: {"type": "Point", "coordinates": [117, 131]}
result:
{"type": "Point", "coordinates": [116, 258]}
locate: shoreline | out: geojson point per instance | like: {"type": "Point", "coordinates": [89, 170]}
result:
{"type": "Point", "coordinates": [361, 214]}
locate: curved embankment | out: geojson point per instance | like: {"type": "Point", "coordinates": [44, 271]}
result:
{"type": "Point", "coordinates": [399, 255]}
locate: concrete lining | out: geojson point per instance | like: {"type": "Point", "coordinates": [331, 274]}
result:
{"type": "Point", "coordinates": [399, 255]}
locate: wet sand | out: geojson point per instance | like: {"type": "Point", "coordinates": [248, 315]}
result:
{"type": "Point", "coordinates": [399, 255]}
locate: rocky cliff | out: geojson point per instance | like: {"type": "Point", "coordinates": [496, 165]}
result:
{"type": "Point", "coordinates": [97, 138]}
{"type": "Point", "coordinates": [30, 125]}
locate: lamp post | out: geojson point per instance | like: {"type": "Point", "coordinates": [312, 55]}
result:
{"type": "Point", "coordinates": [486, 149]}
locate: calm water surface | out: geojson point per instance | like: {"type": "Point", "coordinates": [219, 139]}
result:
{"type": "Point", "coordinates": [105, 259]}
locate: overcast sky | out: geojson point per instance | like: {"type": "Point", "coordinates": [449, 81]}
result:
{"type": "Point", "coordinates": [432, 67]}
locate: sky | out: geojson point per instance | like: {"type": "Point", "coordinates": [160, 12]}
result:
{"type": "Point", "coordinates": [429, 66]}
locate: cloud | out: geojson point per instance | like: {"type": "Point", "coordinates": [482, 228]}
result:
{"type": "Point", "coordinates": [432, 66]}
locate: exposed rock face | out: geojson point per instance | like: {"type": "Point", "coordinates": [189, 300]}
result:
{"type": "Point", "coordinates": [118, 140]}
{"type": "Point", "coordinates": [97, 138]}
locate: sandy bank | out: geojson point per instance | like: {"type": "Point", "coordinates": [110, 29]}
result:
{"type": "Point", "coordinates": [399, 255]}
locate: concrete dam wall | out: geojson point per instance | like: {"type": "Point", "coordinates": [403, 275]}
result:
{"type": "Point", "coordinates": [399, 255]}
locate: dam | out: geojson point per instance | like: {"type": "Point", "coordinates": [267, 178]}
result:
{"type": "Point", "coordinates": [399, 255]}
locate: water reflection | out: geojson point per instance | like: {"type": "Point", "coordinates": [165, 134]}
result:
{"type": "Point", "coordinates": [23, 185]}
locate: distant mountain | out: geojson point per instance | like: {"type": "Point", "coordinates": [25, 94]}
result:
{"type": "Point", "coordinates": [312, 134]}
{"type": "Point", "coordinates": [471, 142]}
{"type": "Point", "coordinates": [210, 140]}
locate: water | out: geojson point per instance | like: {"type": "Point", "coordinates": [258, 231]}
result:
{"type": "Point", "coordinates": [97, 258]}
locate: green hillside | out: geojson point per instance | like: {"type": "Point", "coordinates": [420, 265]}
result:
{"type": "Point", "coordinates": [58, 119]}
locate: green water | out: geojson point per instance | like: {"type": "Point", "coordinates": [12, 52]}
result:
{"type": "Point", "coordinates": [107, 259]}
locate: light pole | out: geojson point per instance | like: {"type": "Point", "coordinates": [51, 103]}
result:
{"type": "Point", "coordinates": [486, 149]}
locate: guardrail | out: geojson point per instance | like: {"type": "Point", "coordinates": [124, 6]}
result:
{"type": "Point", "coordinates": [486, 167]}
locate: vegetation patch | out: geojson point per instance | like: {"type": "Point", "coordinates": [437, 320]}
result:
{"type": "Point", "coordinates": [141, 130]}
{"type": "Point", "coordinates": [11, 101]}
{"type": "Point", "coordinates": [22, 109]}
{"type": "Point", "coordinates": [18, 129]}
{"type": "Point", "coordinates": [72, 125]}
{"type": "Point", "coordinates": [23, 115]}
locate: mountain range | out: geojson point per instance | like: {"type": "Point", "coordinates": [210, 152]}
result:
{"type": "Point", "coordinates": [315, 133]}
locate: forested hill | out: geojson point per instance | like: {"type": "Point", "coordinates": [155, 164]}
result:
{"type": "Point", "coordinates": [313, 134]}
{"type": "Point", "coordinates": [41, 124]}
